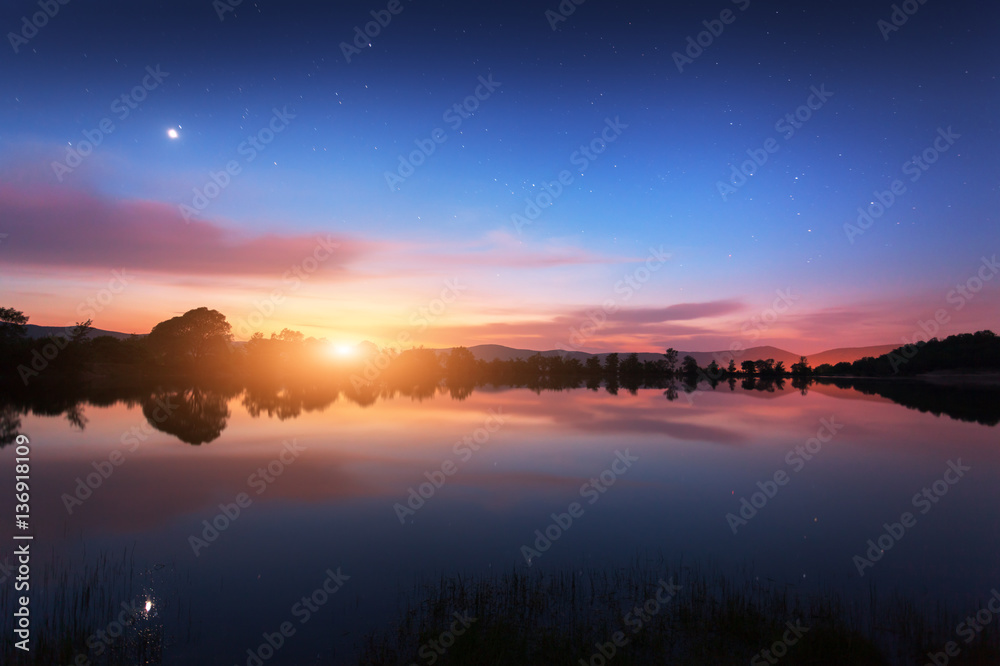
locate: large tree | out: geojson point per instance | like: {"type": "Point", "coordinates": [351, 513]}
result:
{"type": "Point", "coordinates": [197, 335]}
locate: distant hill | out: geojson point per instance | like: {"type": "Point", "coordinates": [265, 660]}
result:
{"type": "Point", "coordinates": [503, 353]}
{"type": "Point", "coordinates": [35, 332]}
{"type": "Point", "coordinates": [849, 354]}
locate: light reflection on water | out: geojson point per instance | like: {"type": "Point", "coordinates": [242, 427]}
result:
{"type": "Point", "coordinates": [319, 482]}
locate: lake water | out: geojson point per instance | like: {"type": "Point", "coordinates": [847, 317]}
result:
{"type": "Point", "coordinates": [337, 499]}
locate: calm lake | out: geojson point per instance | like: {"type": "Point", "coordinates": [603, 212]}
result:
{"type": "Point", "coordinates": [370, 499]}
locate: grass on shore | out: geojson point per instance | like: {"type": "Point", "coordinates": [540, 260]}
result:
{"type": "Point", "coordinates": [529, 617]}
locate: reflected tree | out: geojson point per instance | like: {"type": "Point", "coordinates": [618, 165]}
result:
{"type": "Point", "coordinates": [76, 417]}
{"type": "Point", "coordinates": [10, 424]}
{"type": "Point", "coordinates": [671, 392]}
{"type": "Point", "coordinates": [460, 391]}
{"type": "Point", "coordinates": [194, 415]}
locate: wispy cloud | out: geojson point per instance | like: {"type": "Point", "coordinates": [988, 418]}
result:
{"type": "Point", "coordinates": [63, 228]}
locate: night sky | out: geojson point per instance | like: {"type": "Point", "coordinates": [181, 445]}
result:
{"type": "Point", "coordinates": [320, 226]}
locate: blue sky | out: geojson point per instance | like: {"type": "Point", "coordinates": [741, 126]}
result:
{"type": "Point", "coordinates": [656, 184]}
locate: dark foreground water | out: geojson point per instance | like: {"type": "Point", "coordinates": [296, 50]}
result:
{"type": "Point", "coordinates": [342, 507]}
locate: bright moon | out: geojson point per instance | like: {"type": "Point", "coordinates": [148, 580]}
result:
{"type": "Point", "coordinates": [172, 133]}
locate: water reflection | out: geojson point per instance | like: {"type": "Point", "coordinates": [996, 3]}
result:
{"type": "Point", "coordinates": [701, 447]}
{"type": "Point", "coordinates": [199, 414]}
{"type": "Point", "coordinates": [193, 415]}
{"type": "Point", "coordinates": [10, 424]}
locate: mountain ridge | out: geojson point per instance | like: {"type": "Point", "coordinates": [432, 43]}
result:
{"type": "Point", "coordinates": [489, 352]}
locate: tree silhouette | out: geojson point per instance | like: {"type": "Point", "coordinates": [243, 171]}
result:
{"type": "Point", "coordinates": [12, 325]}
{"type": "Point", "coordinates": [671, 356]}
{"type": "Point", "coordinates": [765, 367]}
{"type": "Point", "coordinates": [10, 424]}
{"type": "Point", "coordinates": [194, 416]}
{"type": "Point", "coordinates": [460, 366]}
{"type": "Point", "coordinates": [196, 336]}
{"type": "Point", "coordinates": [631, 367]}
{"type": "Point", "coordinates": [802, 367]}
{"type": "Point", "coordinates": [611, 365]}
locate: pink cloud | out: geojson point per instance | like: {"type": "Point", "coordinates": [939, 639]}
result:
{"type": "Point", "coordinates": [678, 312]}
{"type": "Point", "coordinates": [641, 328]}
{"type": "Point", "coordinates": [68, 228]}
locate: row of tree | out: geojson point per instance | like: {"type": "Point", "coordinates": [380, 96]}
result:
{"type": "Point", "coordinates": [200, 343]}
{"type": "Point", "coordinates": [965, 352]}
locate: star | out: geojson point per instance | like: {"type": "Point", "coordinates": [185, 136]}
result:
{"type": "Point", "coordinates": [173, 134]}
